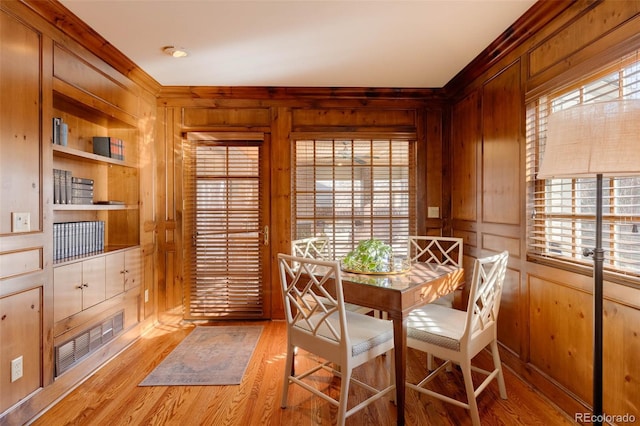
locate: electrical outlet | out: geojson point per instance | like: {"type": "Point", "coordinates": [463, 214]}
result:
{"type": "Point", "coordinates": [146, 296]}
{"type": "Point", "coordinates": [20, 222]}
{"type": "Point", "coordinates": [16, 369]}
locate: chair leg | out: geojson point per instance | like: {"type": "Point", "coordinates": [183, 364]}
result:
{"type": "Point", "coordinates": [288, 371]}
{"type": "Point", "coordinates": [471, 397]}
{"type": "Point", "coordinates": [430, 366]}
{"type": "Point", "coordinates": [498, 365]}
{"type": "Point", "coordinates": [344, 395]}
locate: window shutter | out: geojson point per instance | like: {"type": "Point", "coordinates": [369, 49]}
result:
{"type": "Point", "coordinates": [222, 217]}
{"type": "Point", "coordinates": [561, 223]}
{"type": "Point", "coordinates": [352, 188]}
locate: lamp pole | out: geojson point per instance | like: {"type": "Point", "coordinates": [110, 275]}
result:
{"type": "Point", "coordinates": [598, 260]}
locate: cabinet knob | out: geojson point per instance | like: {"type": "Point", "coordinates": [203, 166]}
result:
{"type": "Point", "coordinates": [123, 271]}
{"type": "Point", "coordinates": [85, 285]}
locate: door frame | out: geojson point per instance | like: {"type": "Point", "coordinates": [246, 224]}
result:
{"type": "Point", "coordinates": [265, 219]}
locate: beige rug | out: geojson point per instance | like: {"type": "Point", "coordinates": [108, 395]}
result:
{"type": "Point", "coordinates": [210, 355]}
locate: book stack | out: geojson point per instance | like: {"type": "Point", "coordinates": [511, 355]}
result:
{"type": "Point", "coordinates": [68, 189]}
{"type": "Point", "coordinates": [60, 131]}
{"type": "Point", "coordinates": [108, 147]}
{"type": "Point", "coordinates": [71, 239]}
{"type": "Point", "coordinates": [81, 190]}
{"type": "Point", "coordinates": [62, 186]}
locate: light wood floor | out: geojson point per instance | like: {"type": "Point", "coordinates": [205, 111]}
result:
{"type": "Point", "coordinates": [111, 396]}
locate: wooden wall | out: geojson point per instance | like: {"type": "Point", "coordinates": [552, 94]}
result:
{"type": "Point", "coordinates": [545, 324]}
{"type": "Point", "coordinates": [293, 110]}
{"type": "Point", "coordinates": [44, 64]}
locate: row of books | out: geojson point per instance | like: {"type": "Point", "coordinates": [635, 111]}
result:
{"type": "Point", "coordinates": [69, 189]}
{"type": "Point", "coordinates": [108, 147]}
{"type": "Point", "coordinates": [72, 239]}
{"type": "Point", "coordinates": [60, 131]}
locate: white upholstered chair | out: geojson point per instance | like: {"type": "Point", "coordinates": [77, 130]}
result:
{"type": "Point", "coordinates": [440, 250]}
{"type": "Point", "coordinates": [318, 322]}
{"type": "Point", "coordinates": [457, 336]}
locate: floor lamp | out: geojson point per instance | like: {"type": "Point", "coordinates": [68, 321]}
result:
{"type": "Point", "coordinates": [597, 139]}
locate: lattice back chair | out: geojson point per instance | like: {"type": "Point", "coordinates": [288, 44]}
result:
{"type": "Point", "coordinates": [318, 322]}
{"type": "Point", "coordinates": [312, 247]}
{"type": "Point", "coordinates": [318, 248]}
{"type": "Point", "coordinates": [457, 336]}
{"type": "Point", "coordinates": [440, 250]}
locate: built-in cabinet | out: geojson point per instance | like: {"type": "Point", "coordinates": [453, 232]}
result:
{"type": "Point", "coordinates": [123, 271]}
{"type": "Point", "coordinates": [93, 105]}
{"type": "Point", "coordinates": [78, 286]}
{"type": "Point", "coordinates": [49, 302]}
{"type": "Point", "coordinates": [103, 112]}
{"type": "Point", "coordinates": [82, 284]}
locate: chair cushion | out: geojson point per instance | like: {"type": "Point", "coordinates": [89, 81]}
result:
{"type": "Point", "coordinates": [365, 332]}
{"type": "Point", "coordinates": [437, 325]}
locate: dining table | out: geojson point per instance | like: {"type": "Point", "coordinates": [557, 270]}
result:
{"type": "Point", "coordinates": [398, 294]}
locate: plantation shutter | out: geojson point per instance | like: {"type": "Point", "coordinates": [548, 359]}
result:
{"type": "Point", "coordinates": [353, 187]}
{"type": "Point", "coordinates": [224, 247]}
{"type": "Point", "coordinates": [562, 211]}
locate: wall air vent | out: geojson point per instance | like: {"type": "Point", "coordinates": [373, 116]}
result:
{"type": "Point", "coordinates": [87, 342]}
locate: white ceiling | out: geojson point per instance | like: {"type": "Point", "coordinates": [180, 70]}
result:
{"type": "Point", "coordinates": [288, 43]}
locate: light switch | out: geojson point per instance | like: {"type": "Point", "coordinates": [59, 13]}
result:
{"type": "Point", "coordinates": [21, 222]}
{"type": "Point", "coordinates": [433, 212]}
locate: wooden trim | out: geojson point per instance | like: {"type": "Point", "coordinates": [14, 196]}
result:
{"type": "Point", "coordinates": [533, 20]}
{"type": "Point", "coordinates": [296, 93]}
{"type": "Point", "coordinates": [72, 26]}
{"type": "Point", "coordinates": [225, 136]}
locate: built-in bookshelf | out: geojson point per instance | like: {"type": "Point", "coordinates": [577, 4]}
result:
{"type": "Point", "coordinates": [94, 188]}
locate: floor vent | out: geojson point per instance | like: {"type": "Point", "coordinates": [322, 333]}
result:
{"type": "Point", "coordinates": [74, 350]}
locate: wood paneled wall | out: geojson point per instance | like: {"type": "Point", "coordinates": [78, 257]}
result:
{"type": "Point", "coordinates": [545, 324]}
{"type": "Point", "coordinates": [47, 73]}
{"type": "Point", "coordinates": [259, 110]}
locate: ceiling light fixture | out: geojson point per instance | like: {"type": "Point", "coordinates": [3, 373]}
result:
{"type": "Point", "coordinates": [176, 52]}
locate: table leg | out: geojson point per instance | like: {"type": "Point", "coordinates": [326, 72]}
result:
{"type": "Point", "coordinates": [400, 344]}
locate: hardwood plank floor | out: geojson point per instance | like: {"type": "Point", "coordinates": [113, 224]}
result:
{"type": "Point", "coordinates": [111, 396]}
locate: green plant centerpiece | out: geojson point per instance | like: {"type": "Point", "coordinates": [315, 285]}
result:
{"type": "Point", "coordinates": [370, 256]}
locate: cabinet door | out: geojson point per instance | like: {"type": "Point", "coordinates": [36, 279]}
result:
{"type": "Point", "coordinates": [67, 290]}
{"type": "Point", "coordinates": [21, 130]}
{"type": "Point", "coordinates": [115, 274]}
{"type": "Point", "coordinates": [133, 268]}
{"type": "Point", "coordinates": [93, 281]}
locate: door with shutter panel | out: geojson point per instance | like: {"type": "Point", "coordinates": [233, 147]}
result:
{"type": "Point", "coordinates": [226, 219]}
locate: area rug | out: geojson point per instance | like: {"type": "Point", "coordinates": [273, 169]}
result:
{"type": "Point", "coordinates": [208, 356]}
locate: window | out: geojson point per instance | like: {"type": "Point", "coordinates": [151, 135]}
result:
{"type": "Point", "coordinates": [352, 189]}
{"type": "Point", "coordinates": [562, 211]}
